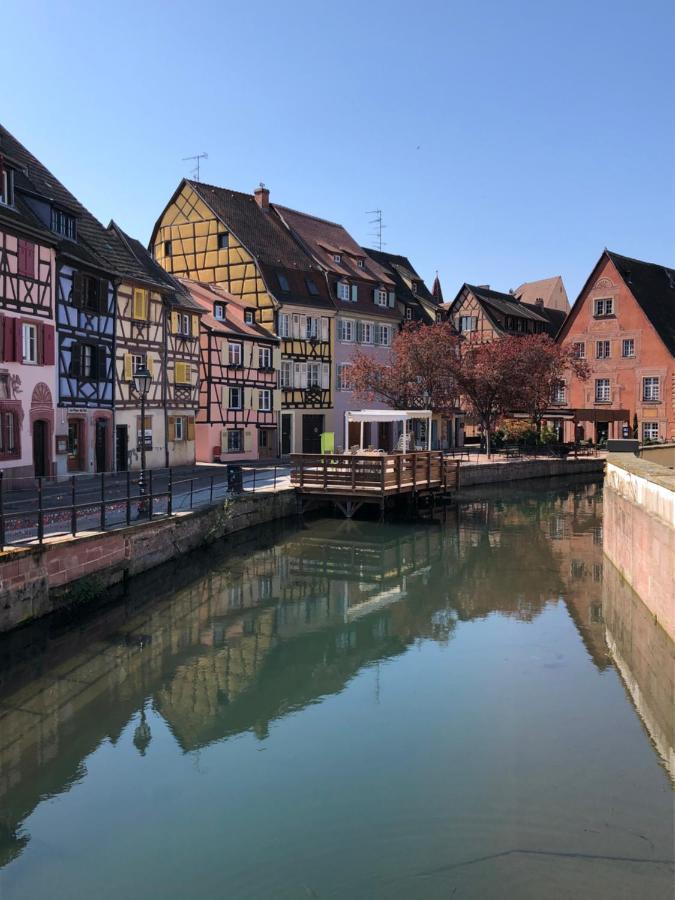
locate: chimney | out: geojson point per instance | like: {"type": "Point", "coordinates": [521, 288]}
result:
{"type": "Point", "coordinates": [262, 196]}
{"type": "Point", "coordinates": [539, 302]}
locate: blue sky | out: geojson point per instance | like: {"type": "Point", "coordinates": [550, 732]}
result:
{"type": "Point", "coordinates": [504, 141]}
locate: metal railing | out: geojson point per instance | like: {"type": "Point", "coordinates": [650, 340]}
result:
{"type": "Point", "coordinates": [33, 509]}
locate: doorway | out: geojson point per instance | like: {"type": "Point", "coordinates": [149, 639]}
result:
{"type": "Point", "coordinates": [286, 434]}
{"type": "Point", "coordinates": [267, 444]}
{"type": "Point", "coordinates": [601, 432]}
{"type": "Point", "coordinates": [312, 429]}
{"type": "Point", "coordinates": [40, 453]}
{"type": "Point", "coordinates": [101, 444]}
{"type": "Point", "coordinates": [75, 445]}
{"type": "Point", "coordinates": [122, 447]}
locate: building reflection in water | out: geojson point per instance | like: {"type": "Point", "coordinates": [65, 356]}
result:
{"type": "Point", "coordinates": [243, 638]}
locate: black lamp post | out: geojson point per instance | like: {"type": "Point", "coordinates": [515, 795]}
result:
{"type": "Point", "coordinates": [142, 381]}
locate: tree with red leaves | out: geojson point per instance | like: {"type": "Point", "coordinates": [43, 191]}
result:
{"type": "Point", "coordinates": [418, 373]}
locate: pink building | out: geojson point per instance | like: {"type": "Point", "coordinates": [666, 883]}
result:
{"type": "Point", "coordinates": [27, 336]}
{"type": "Point", "coordinates": [239, 396]}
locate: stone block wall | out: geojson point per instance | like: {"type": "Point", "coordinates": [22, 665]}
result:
{"type": "Point", "coordinates": [36, 580]}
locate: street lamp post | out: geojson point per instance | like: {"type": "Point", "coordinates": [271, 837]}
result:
{"type": "Point", "coordinates": [142, 381]}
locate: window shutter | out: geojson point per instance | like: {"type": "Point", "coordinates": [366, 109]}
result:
{"type": "Point", "coordinates": [49, 355]}
{"type": "Point", "coordinates": [75, 357]}
{"type": "Point", "coordinates": [137, 305]}
{"type": "Point", "coordinates": [355, 292]}
{"type": "Point", "coordinates": [191, 428]}
{"type": "Point", "coordinates": [195, 326]}
{"type": "Point", "coordinates": [340, 330]}
{"type": "Point", "coordinates": [40, 343]}
{"type": "Point", "coordinates": [179, 375]}
{"type": "Point", "coordinates": [103, 295]}
{"type": "Point", "coordinates": [18, 341]}
{"type": "Point", "coordinates": [297, 377]}
{"type": "Point", "coordinates": [247, 402]}
{"type": "Point", "coordinates": [359, 332]}
{"type": "Point", "coordinates": [376, 333]}
{"type": "Point", "coordinates": [276, 400]}
{"type": "Point", "coordinates": [247, 441]}
{"type": "Point", "coordinates": [128, 367]}
{"type": "Point", "coordinates": [296, 325]}
{"type": "Point", "coordinates": [77, 289]}
{"type": "Point", "coordinates": [172, 428]}
{"type": "Point", "coordinates": [223, 440]}
{"type": "Point", "coordinates": [325, 375]}
{"type": "Point", "coordinates": [325, 329]}
{"type": "Point", "coordinates": [392, 299]}
{"type": "Point", "coordinates": [175, 322]}
{"type": "Point", "coordinates": [149, 363]}
{"type": "Point", "coordinates": [101, 364]}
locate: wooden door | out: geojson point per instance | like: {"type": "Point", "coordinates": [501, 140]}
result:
{"type": "Point", "coordinates": [75, 445]}
{"type": "Point", "coordinates": [312, 428]}
{"type": "Point", "coordinates": [101, 444]}
{"type": "Point", "coordinates": [40, 454]}
{"type": "Point", "coordinates": [122, 447]}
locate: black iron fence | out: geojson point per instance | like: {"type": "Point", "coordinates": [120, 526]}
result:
{"type": "Point", "coordinates": [32, 509]}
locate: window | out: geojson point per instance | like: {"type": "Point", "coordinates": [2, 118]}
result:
{"type": "Point", "coordinates": [467, 323]}
{"type": "Point", "coordinates": [408, 313]}
{"type": "Point", "coordinates": [337, 257]}
{"type": "Point", "coordinates": [29, 333]}
{"type": "Point", "coordinates": [283, 325]}
{"type": "Point", "coordinates": [560, 392]}
{"type": "Point", "coordinates": [63, 223]}
{"type": "Point", "coordinates": [4, 386]}
{"type": "Point", "coordinates": [381, 297]}
{"type": "Point", "coordinates": [603, 307]}
{"type": "Point", "coordinates": [8, 434]}
{"type": "Point", "coordinates": [6, 186]}
{"type": "Point", "coordinates": [179, 428]}
{"type": "Point", "coordinates": [342, 290]}
{"type": "Point", "coordinates": [249, 316]}
{"type": "Point", "coordinates": [283, 282]}
{"type": "Point", "coordinates": [628, 347]}
{"type": "Point", "coordinates": [346, 330]}
{"type": "Point", "coordinates": [366, 332]}
{"type": "Point", "coordinates": [26, 258]}
{"type": "Point", "coordinates": [138, 362]}
{"type": "Point", "coordinates": [234, 440]}
{"type": "Point", "coordinates": [602, 349]}
{"type": "Point", "coordinates": [223, 240]}
{"type": "Point", "coordinates": [183, 321]}
{"type": "Point", "coordinates": [579, 350]}
{"type": "Point", "coordinates": [87, 361]}
{"type": "Point", "coordinates": [384, 336]}
{"type": "Point", "coordinates": [167, 248]}
{"type": "Point", "coordinates": [650, 431]}
{"type": "Point", "coordinates": [183, 373]}
{"type": "Point", "coordinates": [219, 311]}
{"type": "Point", "coordinates": [343, 382]}
{"type": "Point", "coordinates": [313, 375]}
{"type": "Point", "coordinates": [89, 293]}
{"type": "Point", "coordinates": [235, 398]}
{"type": "Point", "coordinates": [311, 286]}
{"type": "Point", "coordinates": [234, 354]}
{"type": "Point", "coordinates": [286, 375]}
{"type": "Point", "coordinates": [265, 400]}
{"type": "Point", "coordinates": [313, 328]}
{"type": "Point", "coordinates": [413, 287]}
{"type": "Point", "coordinates": [651, 389]}
{"type": "Point", "coordinates": [264, 358]}
{"type": "Point", "coordinates": [361, 263]}
{"type": "Point", "coordinates": [602, 392]}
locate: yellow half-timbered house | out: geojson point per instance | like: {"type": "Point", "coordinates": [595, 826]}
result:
{"type": "Point", "coordinates": [239, 242]}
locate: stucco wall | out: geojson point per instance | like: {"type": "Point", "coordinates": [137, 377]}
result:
{"type": "Point", "coordinates": [639, 531]}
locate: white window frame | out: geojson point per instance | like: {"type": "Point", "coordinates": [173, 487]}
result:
{"type": "Point", "coordinates": [7, 187]}
{"type": "Point", "coordinates": [342, 378]}
{"type": "Point", "coordinates": [367, 333]}
{"type": "Point", "coordinates": [313, 325]}
{"type": "Point", "coordinates": [286, 374]}
{"type": "Point", "coordinates": [630, 343]}
{"type": "Point", "coordinates": [560, 393]}
{"type": "Point", "coordinates": [337, 257]}
{"type": "Point", "coordinates": [603, 306]}
{"type": "Point", "coordinates": [138, 361]}
{"type": "Point", "coordinates": [179, 429]}
{"type": "Point", "coordinates": [249, 316]}
{"type": "Point", "coordinates": [603, 349]}
{"type": "Point", "coordinates": [473, 323]}
{"type": "Point", "coordinates": [313, 380]}
{"type": "Point", "coordinates": [348, 331]}
{"type": "Point", "coordinates": [579, 349]}
{"type": "Point", "coordinates": [239, 354]}
{"type": "Point", "coordinates": [385, 335]}
{"type": "Point", "coordinates": [284, 331]}
{"type": "Point", "coordinates": [239, 394]}
{"type": "Point", "coordinates": [647, 427]}
{"type": "Point", "coordinates": [343, 290]}
{"type": "Point", "coordinates": [603, 390]}
{"type": "Point", "coordinates": [240, 440]}
{"type": "Point", "coordinates": [265, 400]}
{"type": "Point", "coordinates": [408, 313]}
{"type": "Point", "coordinates": [219, 311]}
{"type": "Point", "coordinates": [264, 357]}
{"type": "Point", "coordinates": [29, 344]}
{"type": "Point", "coordinates": [361, 263]}
{"type": "Point", "coordinates": [381, 297]}
{"type": "Point", "coordinates": [651, 389]}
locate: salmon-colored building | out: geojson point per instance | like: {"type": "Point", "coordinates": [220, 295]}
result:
{"type": "Point", "coordinates": [623, 324]}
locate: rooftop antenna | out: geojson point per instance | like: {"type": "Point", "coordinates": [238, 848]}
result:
{"type": "Point", "coordinates": [196, 159]}
{"type": "Point", "coordinates": [377, 222]}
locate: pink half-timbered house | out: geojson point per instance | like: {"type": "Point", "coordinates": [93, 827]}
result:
{"type": "Point", "coordinates": [239, 396]}
{"type": "Point", "coordinates": [27, 336]}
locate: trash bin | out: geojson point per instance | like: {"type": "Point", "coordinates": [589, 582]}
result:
{"type": "Point", "coordinates": [235, 481]}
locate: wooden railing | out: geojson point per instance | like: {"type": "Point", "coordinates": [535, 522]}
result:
{"type": "Point", "coordinates": [376, 473]}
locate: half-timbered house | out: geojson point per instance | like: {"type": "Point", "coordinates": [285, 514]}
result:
{"type": "Point", "coordinates": [484, 314]}
{"type": "Point", "coordinates": [239, 397]}
{"type": "Point", "coordinates": [156, 327]}
{"type": "Point", "coordinates": [27, 335]}
{"type": "Point", "coordinates": [239, 242]}
{"type": "Point", "coordinates": [367, 312]}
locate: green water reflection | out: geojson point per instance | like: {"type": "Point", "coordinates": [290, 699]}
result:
{"type": "Point", "coordinates": [468, 706]}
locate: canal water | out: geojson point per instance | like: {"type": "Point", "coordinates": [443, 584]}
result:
{"type": "Point", "coordinates": [469, 706]}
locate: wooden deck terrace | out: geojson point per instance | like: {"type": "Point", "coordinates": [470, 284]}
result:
{"type": "Point", "coordinates": [352, 479]}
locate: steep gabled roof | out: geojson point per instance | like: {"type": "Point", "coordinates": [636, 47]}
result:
{"type": "Point", "coordinates": [653, 286]}
{"type": "Point", "coordinates": [205, 295]}
{"type": "Point", "coordinates": [506, 304]}
{"type": "Point", "coordinates": [402, 272]}
{"type": "Point", "coordinates": [544, 289]}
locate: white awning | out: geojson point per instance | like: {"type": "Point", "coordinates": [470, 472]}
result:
{"type": "Point", "coordinates": [387, 415]}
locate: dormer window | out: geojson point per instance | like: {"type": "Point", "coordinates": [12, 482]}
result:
{"type": "Point", "coordinates": [283, 282]}
{"type": "Point", "coordinates": [413, 287]}
{"type": "Point", "coordinates": [311, 286]}
{"type": "Point", "coordinates": [63, 223]}
{"type": "Point", "coordinates": [249, 316]}
{"type": "Point", "coordinates": [381, 297]}
{"type": "Point", "coordinates": [408, 313]}
{"type": "Point", "coordinates": [167, 248]}
{"type": "Point", "coordinates": [337, 257]}
{"type": "Point", "coordinates": [223, 240]}
{"type": "Point", "coordinates": [6, 186]}
{"type": "Point", "coordinates": [342, 290]}
{"type": "Point", "coordinates": [361, 263]}
{"type": "Point", "coordinates": [219, 311]}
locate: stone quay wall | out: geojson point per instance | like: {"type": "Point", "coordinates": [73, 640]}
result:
{"type": "Point", "coordinates": [639, 531]}
{"type": "Point", "coordinates": [35, 581]}
{"type": "Point", "coordinates": [517, 470]}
